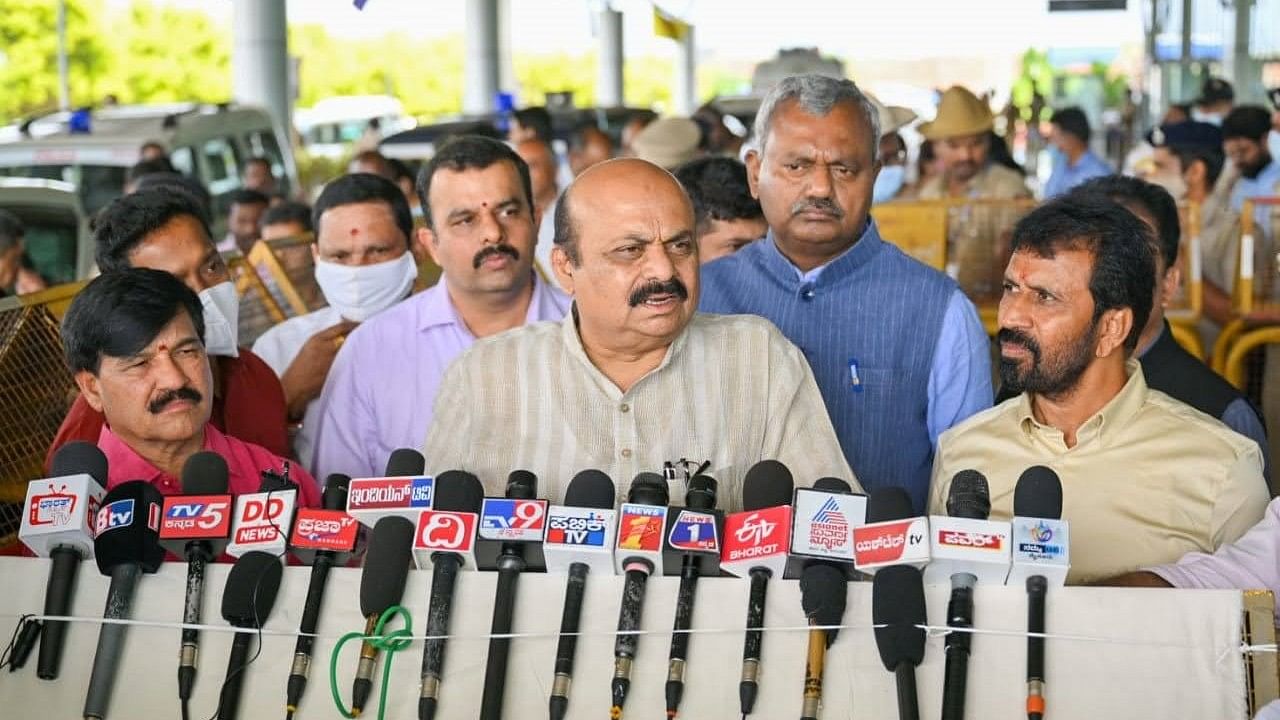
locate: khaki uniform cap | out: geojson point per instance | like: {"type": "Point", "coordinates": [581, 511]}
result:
{"type": "Point", "coordinates": [961, 113]}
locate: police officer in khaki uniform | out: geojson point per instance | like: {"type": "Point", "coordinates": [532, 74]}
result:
{"type": "Point", "coordinates": [961, 136]}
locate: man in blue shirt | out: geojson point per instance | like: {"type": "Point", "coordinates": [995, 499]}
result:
{"type": "Point", "coordinates": [898, 351]}
{"type": "Point", "coordinates": [1244, 139]}
{"type": "Point", "coordinates": [1075, 162]}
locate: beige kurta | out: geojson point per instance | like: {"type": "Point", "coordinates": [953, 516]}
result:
{"type": "Point", "coordinates": [1148, 480]}
{"type": "Point", "coordinates": [731, 390]}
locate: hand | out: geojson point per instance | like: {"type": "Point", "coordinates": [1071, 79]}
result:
{"type": "Point", "coordinates": [305, 377]}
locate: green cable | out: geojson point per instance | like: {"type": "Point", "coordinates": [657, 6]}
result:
{"type": "Point", "coordinates": [388, 643]}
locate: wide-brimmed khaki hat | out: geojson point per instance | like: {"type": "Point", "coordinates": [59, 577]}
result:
{"type": "Point", "coordinates": [668, 142]}
{"type": "Point", "coordinates": [960, 113]}
{"type": "Point", "coordinates": [892, 117]}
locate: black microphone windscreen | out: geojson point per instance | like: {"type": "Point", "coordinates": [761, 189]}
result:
{"type": "Point", "coordinates": [888, 503]}
{"type": "Point", "coordinates": [204, 473]}
{"type": "Point", "coordinates": [405, 462]}
{"type": "Point", "coordinates": [128, 527]}
{"type": "Point", "coordinates": [649, 489]}
{"type": "Point", "coordinates": [522, 485]}
{"type": "Point", "coordinates": [824, 592]}
{"type": "Point", "coordinates": [80, 458]}
{"type": "Point", "coordinates": [1038, 494]}
{"type": "Point", "coordinates": [386, 565]}
{"type": "Point", "coordinates": [701, 494]}
{"type": "Point", "coordinates": [458, 491]}
{"type": "Point", "coordinates": [897, 603]}
{"type": "Point", "coordinates": [969, 497]}
{"type": "Point", "coordinates": [767, 484]}
{"type": "Point", "coordinates": [830, 484]}
{"type": "Point", "coordinates": [252, 586]}
{"type": "Point", "coordinates": [590, 489]}
{"type": "Point", "coordinates": [335, 492]}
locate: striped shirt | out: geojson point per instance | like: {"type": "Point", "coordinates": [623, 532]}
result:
{"type": "Point", "coordinates": [731, 391]}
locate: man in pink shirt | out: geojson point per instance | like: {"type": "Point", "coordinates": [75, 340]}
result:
{"type": "Point", "coordinates": [133, 340]}
{"type": "Point", "coordinates": [1250, 563]}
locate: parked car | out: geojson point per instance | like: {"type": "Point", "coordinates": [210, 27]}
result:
{"type": "Point", "coordinates": [55, 230]}
{"type": "Point", "coordinates": [208, 142]}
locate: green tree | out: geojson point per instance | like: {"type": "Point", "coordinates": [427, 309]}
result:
{"type": "Point", "coordinates": [29, 55]}
{"type": "Point", "coordinates": [165, 54]}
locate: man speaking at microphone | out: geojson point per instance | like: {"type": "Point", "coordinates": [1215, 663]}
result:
{"type": "Point", "coordinates": [632, 377]}
{"type": "Point", "coordinates": [133, 339]}
{"type": "Point", "coordinates": [1145, 478]}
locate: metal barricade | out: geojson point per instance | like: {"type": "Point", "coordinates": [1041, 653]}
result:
{"type": "Point", "coordinates": [36, 390]}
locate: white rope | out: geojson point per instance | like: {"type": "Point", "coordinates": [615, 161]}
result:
{"type": "Point", "coordinates": [933, 631]}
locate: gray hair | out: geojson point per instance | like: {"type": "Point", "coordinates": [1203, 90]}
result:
{"type": "Point", "coordinates": [817, 95]}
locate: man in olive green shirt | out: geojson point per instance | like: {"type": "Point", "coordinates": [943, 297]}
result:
{"type": "Point", "coordinates": [1145, 478]}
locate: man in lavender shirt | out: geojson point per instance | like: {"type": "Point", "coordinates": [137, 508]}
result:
{"type": "Point", "coordinates": [481, 227]}
{"type": "Point", "coordinates": [1250, 563]}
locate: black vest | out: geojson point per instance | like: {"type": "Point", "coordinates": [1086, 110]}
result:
{"type": "Point", "coordinates": [1180, 375]}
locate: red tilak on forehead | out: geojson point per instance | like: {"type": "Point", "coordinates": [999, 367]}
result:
{"type": "Point", "coordinates": [355, 232]}
{"type": "Point", "coordinates": [162, 348]}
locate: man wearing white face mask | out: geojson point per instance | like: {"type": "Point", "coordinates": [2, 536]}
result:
{"type": "Point", "coordinates": [481, 226]}
{"type": "Point", "coordinates": [165, 228]}
{"type": "Point", "coordinates": [363, 266]}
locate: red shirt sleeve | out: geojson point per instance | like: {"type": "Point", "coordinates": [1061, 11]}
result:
{"type": "Point", "coordinates": [253, 404]}
{"type": "Point", "coordinates": [81, 423]}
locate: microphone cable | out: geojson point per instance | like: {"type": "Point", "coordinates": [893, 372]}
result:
{"type": "Point", "coordinates": [388, 643]}
{"type": "Point", "coordinates": [257, 621]}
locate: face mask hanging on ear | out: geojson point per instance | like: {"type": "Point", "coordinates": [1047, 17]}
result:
{"type": "Point", "coordinates": [221, 319]}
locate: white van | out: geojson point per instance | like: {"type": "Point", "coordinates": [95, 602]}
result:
{"type": "Point", "coordinates": [333, 125]}
{"type": "Point", "coordinates": [208, 142]}
{"type": "Point", "coordinates": [55, 231]}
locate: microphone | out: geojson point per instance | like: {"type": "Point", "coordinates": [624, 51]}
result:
{"type": "Point", "coordinates": [58, 524]}
{"type": "Point", "coordinates": [252, 586]}
{"type": "Point", "coordinates": [897, 593]}
{"type": "Point", "coordinates": [964, 540]}
{"type": "Point", "coordinates": [824, 584]}
{"type": "Point", "coordinates": [891, 536]}
{"type": "Point", "coordinates": [755, 545]}
{"type": "Point", "coordinates": [126, 544]}
{"type": "Point", "coordinates": [520, 521]}
{"type": "Point", "coordinates": [195, 526]}
{"type": "Point", "coordinates": [897, 603]}
{"type": "Point", "coordinates": [403, 491]}
{"type": "Point", "coordinates": [695, 534]}
{"type": "Point", "coordinates": [446, 537]}
{"type": "Point", "coordinates": [263, 519]}
{"type": "Point", "coordinates": [823, 518]}
{"type": "Point", "coordinates": [639, 555]}
{"type": "Point", "coordinates": [386, 570]}
{"type": "Point", "coordinates": [580, 537]}
{"type": "Point", "coordinates": [1040, 557]}
{"type": "Point", "coordinates": [324, 536]}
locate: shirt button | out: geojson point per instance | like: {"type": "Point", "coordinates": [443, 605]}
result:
{"type": "Point", "coordinates": [624, 407]}
{"type": "Point", "coordinates": [626, 452]}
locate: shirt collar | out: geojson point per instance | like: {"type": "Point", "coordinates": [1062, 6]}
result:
{"type": "Point", "coordinates": [573, 342]}
{"type": "Point", "coordinates": [126, 464]}
{"type": "Point", "coordinates": [1116, 414]}
{"type": "Point", "coordinates": [436, 308]}
{"type": "Point", "coordinates": [857, 255]}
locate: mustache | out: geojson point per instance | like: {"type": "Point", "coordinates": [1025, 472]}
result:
{"type": "Point", "coordinates": [671, 287]}
{"type": "Point", "coordinates": [182, 393]}
{"type": "Point", "coordinates": [825, 205]}
{"type": "Point", "coordinates": [1017, 337]}
{"type": "Point", "coordinates": [499, 249]}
